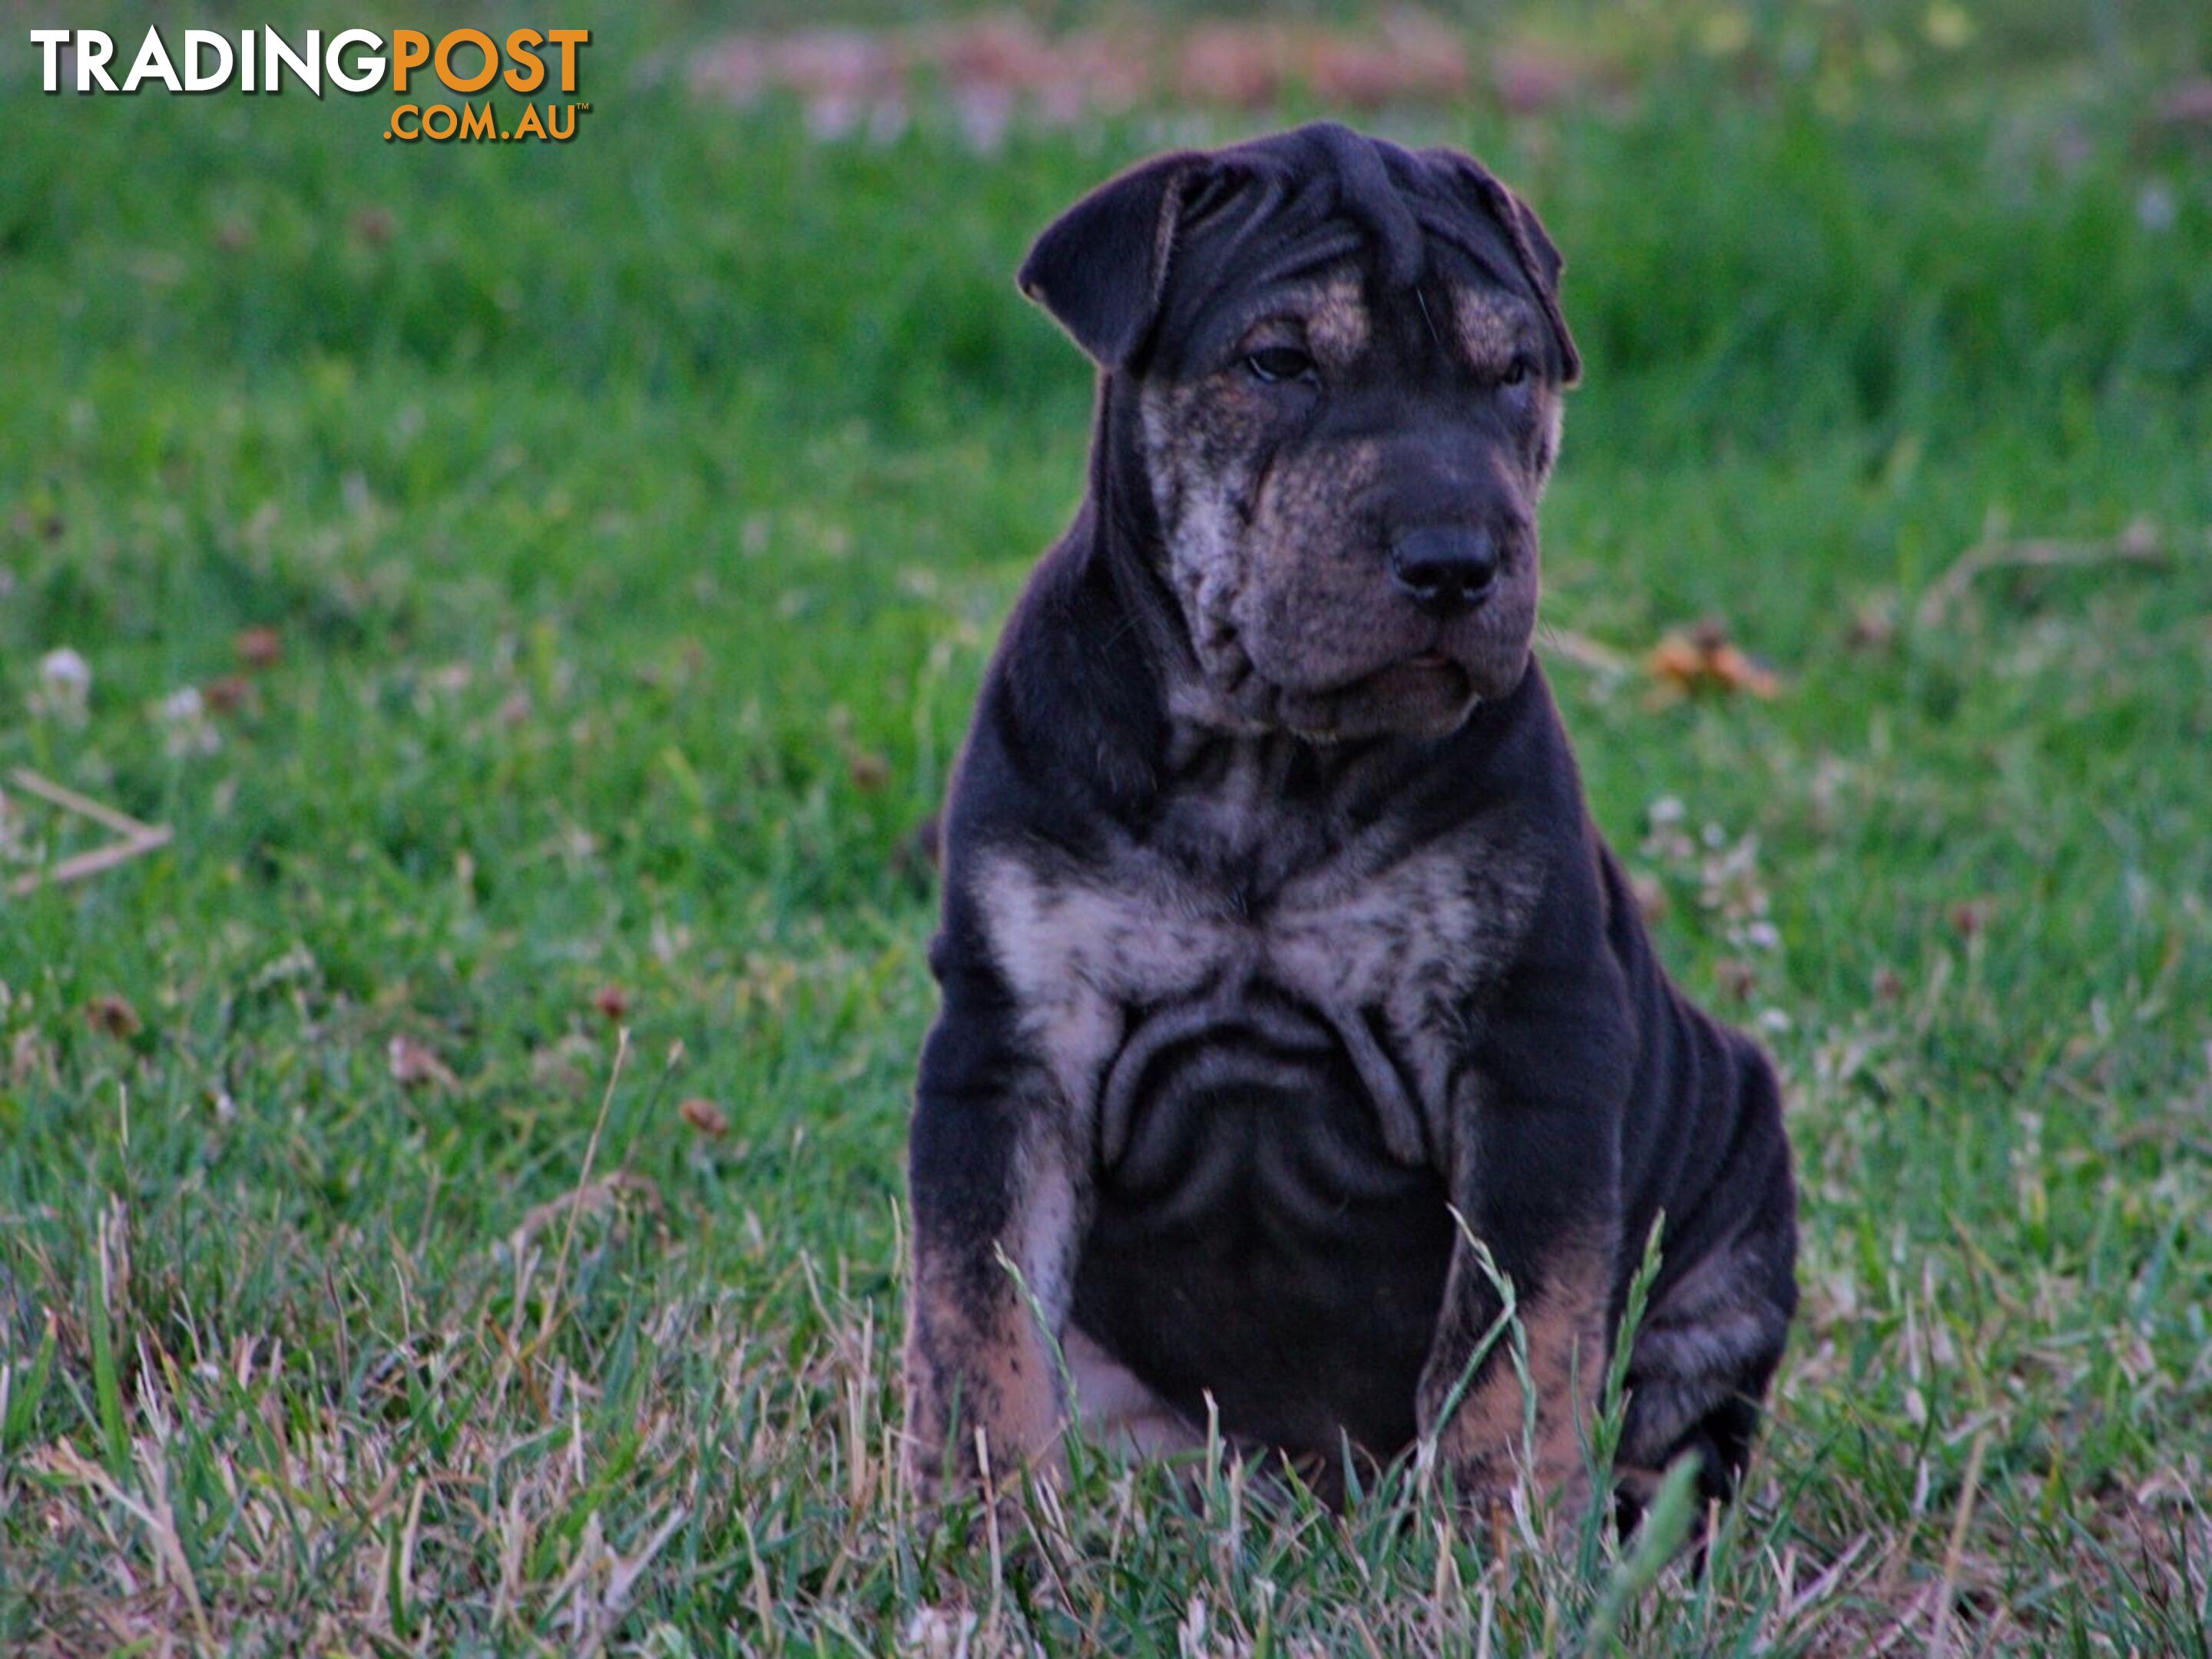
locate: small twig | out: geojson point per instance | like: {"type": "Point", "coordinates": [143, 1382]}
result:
{"type": "Point", "coordinates": [1903, 1624]}
{"type": "Point", "coordinates": [2140, 544]}
{"type": "Point", "coordinates": [591, 1196]}
{"type": "Point", "coordinates": [583, 1184]}
{"type": "Point", "coordinates": [78, 866]}
{"type": "Point", "coordinates": [1582, 651]}
{"type": "Point", "coordinates": [122, 822]}
{"type": "Point", "coordinates": [1819, 1590]}
{"type": "Point", "coordinates": [1939, 1637]}
{"type": "Point", "coordinates": [138, 838]}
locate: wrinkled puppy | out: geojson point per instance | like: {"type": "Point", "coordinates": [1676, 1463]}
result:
{"type": "Point", "coordinates": [1276, 930]}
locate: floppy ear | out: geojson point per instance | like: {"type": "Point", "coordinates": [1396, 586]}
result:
{"type": "Point", "coordinates": [1534, 250]}
{"type": "Point", "coordinates": [1541, 264]}
{"type": "Point", "coordinates": [1101, 267]}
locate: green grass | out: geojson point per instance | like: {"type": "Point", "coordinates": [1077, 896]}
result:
{"type": "Point", "coordinates": [636, 517]}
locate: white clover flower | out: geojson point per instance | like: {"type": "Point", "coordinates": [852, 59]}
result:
{"type": "Point", "coordinates": [188, 731]}
{"type": "Point", "coordinates": [64, 688]}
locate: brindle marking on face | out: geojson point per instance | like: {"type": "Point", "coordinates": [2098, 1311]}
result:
{"type": "Point", "coordinates": [1277, 531]}
{"type": "Point", "coordinates": [1200, 441]}
{"type": "Point", "coordinates": [1490, 329]}
{"type": "Point", "coordinates": [1336, 322]}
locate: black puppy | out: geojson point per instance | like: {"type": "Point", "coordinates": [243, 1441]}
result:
{"type": "Point", "coordinates": [1276, 930]}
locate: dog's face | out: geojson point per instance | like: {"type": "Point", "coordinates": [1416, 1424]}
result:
{"type": "Point", "coordinates": [1346, 481]}
{"type": "Point", "coordinates": [1346, 362]}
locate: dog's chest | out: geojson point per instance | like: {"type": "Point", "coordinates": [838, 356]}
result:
{"type": "Point", "coordinates": [1242, 952]}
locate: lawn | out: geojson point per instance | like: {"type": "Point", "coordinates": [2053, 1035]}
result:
{"type": "Point", "coordinates": [450, 1194]}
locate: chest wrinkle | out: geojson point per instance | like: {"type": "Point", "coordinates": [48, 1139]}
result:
{"type": "Point", "coordinates": [1385, 944]}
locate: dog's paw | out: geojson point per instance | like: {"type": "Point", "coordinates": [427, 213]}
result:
{"type": "Point", "coordinates": [950, 1490]}
{"type": "Point", "coordinates": [1497, 1502]}
{"type": "Point", "coordinates": [1009, 1521]}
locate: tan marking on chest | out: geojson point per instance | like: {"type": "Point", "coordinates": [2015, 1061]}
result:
{"type": "Point", "coordinates": [1408, 943]}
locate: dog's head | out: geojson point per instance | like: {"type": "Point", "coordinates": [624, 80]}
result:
{"type": "Point", "coordinates": [1345, 360]}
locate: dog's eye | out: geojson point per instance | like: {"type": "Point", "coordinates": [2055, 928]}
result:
{"type": "Point", "coordinates": [1273, 363]}
{"type": "Point", "coordinates": [1516, 371]}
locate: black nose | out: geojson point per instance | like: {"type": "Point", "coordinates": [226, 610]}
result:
{"type": "Point", "coordinates": [1445, 568]}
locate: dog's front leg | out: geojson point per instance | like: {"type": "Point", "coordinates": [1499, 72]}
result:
{"type": "Point", "coordinates": [1537, 1186]}
{"type": "Point", "coordinates": [999, 1203]}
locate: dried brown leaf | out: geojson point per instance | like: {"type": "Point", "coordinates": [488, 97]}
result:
{"type": "Point", "coordinates": [228, 694]}
{"type": "Point", "coordinates": [1705, 659]}
{"type": "Point", "coordinates": [702, 1115]}
{"type": "Point", "coordinates": [112, 1015]}
{"type": "Point", "coordinates": [414, 1065]}
{"type": "Point", "coordinates": [258, 648]}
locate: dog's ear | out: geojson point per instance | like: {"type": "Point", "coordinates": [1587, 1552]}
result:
{"type": "Point", "coordinates": [1534, 250]}
{"type": "Point", "coordinates": [1101, 267]}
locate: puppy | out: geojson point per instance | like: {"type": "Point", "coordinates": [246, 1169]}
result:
{"type": "Point", "coordinates": [1290, 1000]}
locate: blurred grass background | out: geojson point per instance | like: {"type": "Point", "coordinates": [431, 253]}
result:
{"type": "Point", "coordinates": [629, 520]}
